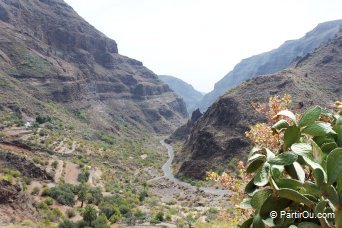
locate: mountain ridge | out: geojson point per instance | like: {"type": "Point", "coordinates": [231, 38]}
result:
{"type": "Point", "coordinates": [51, 53]}
{"type": "Point", "coordinates": [185, 90]}
{"type": "Point", "coordinates": [218, 136]}
{"type": "Point", "coordinates": [272, 61]}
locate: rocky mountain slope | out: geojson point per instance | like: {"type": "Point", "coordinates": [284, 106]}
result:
{"type": "Point", "coordinates": [219, 135]}
{"type": "Point", "coordinates": [50, 55]}
{"type": "Point", "coordinates": [190, 96]}
{"type": "Point", "coordinates": [272, 61]}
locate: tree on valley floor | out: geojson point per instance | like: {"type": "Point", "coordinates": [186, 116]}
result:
{"type": "Point", "coordinates": [82, 194]}
{"type": "Point", "coordinates": [89, 214]}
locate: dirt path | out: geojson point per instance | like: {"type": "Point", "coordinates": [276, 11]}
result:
{"type": "Point", "coordinates": [71, 173]}
{"type": "Point", "coordinates": [95, 177]}
{"type": "Point", "coordinates": [17, 132]}
{"type": "Point", "coordinates": [58, 171]}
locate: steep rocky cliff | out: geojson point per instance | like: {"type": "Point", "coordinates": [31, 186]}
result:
{"type": "Point", "coordinates": [272, 61]}
{"type": "Point", "coordinates": [219, 135]}
{"type": "Point", "coordinates": [50, 55]}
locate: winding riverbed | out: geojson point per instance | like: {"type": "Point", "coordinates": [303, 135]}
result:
{"type": "Point", "coordinates": [168, 174]}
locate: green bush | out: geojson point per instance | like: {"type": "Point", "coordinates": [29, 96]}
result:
{"type": "Point", "coordinates": [84, 175]}
{"type": "Point", "coordinates": [54, 164]}
{"type": "Point", "coordinates": [159, 216]}
{"type": "Point", "coordinates": [303, 174]}
{"type": "Point", "coordinates": [35, 191]}
{"type": "Point", "coordinates": [63, 194]}
{"type": "Point", "coordinates": [89, 214]}
{"type": "Point", "coordinates": [142, 196]}
{"type": "Point", "coordinates": [42, 119]}
{"type": "Point", "coordinates": [42, 205]}
{"type": "Point", "coordinates": [100, 222]}
{"type": "Point", "coordinates": [67, 224]}
{"type": "Point", "coordinates": [48, 201]}
{"type": "Point", "coordinates": [109, 210]}
{"type": "Point", "coordinates": [124, 210]}
{"type": "Point", "coordinates": [70, 213]}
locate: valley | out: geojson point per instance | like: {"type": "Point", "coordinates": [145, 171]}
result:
{"type": "Point", "coordinates": [92, 138]}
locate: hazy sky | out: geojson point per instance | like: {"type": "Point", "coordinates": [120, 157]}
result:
{"type": "Point", "coordinates": [200, 41]}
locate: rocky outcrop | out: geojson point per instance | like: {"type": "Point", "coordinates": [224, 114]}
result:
{"type": "Point", "coordinates": [8, 192]}
{"type": "Point", "coordinates": [219, 134]}
{"type": "Point", "coordinates": [49, 53]}
{"type": "Point", "coordinates": [24, 166]}
{"type": "Point", "coordinates": [183, 132]}
{"type": "Point", "coordinates": [272, 61]}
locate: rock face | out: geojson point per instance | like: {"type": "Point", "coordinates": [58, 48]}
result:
{"type": "Point", "coordinates": [183, 132]}
{"type": "Point", "coordinates": [21, 164]}
{"type": "Point", "coordinates": [49, 53]}
{"type": "Point", "coordinates": [190, 96]}
{"type": "Point", "coordinates": [219, 135]}
{"type": "Point", "coordinates": [272, 61]}
{"type": "Point", "coordinates": [8, 192]}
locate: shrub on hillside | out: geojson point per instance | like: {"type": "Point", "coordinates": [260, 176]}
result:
{"type": "Point", "coordinates": [63, 194]}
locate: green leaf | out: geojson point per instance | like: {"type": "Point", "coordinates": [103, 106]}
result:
{"type": "Point", "coordinates": [311, 189]}
{"type": "Point", "coordinates": [289, 183]}
{"type": "Point", "coordinates": [302, 149]}
{"type": "Point", "coordinates": [319, 177]}
{"type": "Point", "coordinates": [246, 203]}
{"type": "Point", "coordinates": [257, 222]}
{"type": "Point", "coordinates": [276, 171]}
{"type": "Point", "coordinates": [330, 193]}
{"type": "Point", "coordinates": [261, 178]}
{"type": "Point", "coordinates": [339, 187]}
{"type": "Point", "coordinates": [296, 171]}
{"type": "Point", "coordinates": [291, 136]}
{"type": "Point", "coordinates": [320, 140]}
{"type": "Point", "coordinates": [247, 223]}
{"type": "Point", "coordinates": [317, 153]}
{"type": "Point", "coordinates": [257, 161]}
{"type": "Point", "coordinates": [285, 158]}
{"type": "Point", "coordinates": [310, 116]}
{"type": "Point", "coordinates": [259, 198]}
{"type": "Point", "coordinates": [280, 125]}
{"type": "Point", "coordinates": [339, 121]}
{"type": "Point", "coordinates": [318, 129]}
{"type": "Point", "coordinates": [321, 206]}
{"type": "Point", "coordinates": [308, 225]}
{"type": "Point", "coordinates": [334, 165]}
{"type": "Point", "coordinates": [251, 188]}
{"type": "Point", "coordinates": [253, 151]}
{"type": "Point", "coordinates": [256, 156]}
{"type": "Point", "coordinates": [338, 218]}
{"type": "Point", "coordinates": [320, 209]}
{"type": "Point", "coordinates": [295, 196]}
{"type": "Point", "coordinates": [338, 130]}
{"type": "Point", "coordinates": [313, 165]}
{"type": "Point", "coordinates": [269, 154]}
{"type": "Point", "coordinates": [328, 147]}
{"type": "Point", "coordinates": [273, 203]}
{"type": "Point", "coordinates": [288, 114]}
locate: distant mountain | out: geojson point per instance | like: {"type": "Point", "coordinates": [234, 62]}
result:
{"type": "Point", "coordinates": [272, 61]}
{"type": "Point", "coordinates": [184, 90]}
{"type": "Point", "coordinates": [219, 136]}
